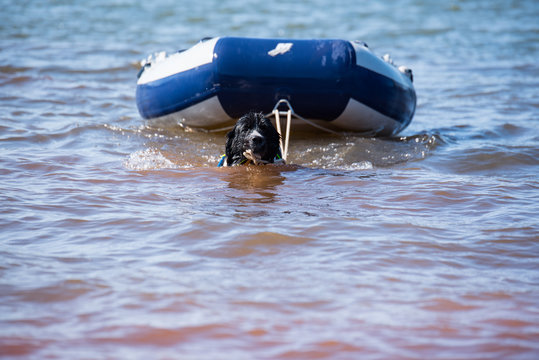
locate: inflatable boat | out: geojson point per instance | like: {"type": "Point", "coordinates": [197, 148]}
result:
{"type": "Point", "coordinates": [337, 84]}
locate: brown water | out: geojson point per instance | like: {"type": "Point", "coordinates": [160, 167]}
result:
{"type": "Point", "coordinates": [120, 239]}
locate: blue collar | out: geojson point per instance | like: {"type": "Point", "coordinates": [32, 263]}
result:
{"type": "Point", "coordinates": [222, 160]}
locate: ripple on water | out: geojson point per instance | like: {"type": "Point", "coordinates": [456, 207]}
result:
{"type": "Point", "coordinates": [121, 238]}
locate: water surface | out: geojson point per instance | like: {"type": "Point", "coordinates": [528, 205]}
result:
{"type": "Point", "coordinates": [121, 239]}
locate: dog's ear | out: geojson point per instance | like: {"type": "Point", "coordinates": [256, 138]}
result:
{"type": "Point", "coordinates": [273, 139]}
{"type": "Point", "coordinates": [274, 147]}
{"type": "Point", "coordinates": [230, 135]}
{"type": "Point", "coordinates": [234, 143]}
{"type": "Point", "coordinates": [229, 146]}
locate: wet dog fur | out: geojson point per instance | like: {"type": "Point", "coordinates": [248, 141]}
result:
{"type": "Point", "coordinates": [252, 138]}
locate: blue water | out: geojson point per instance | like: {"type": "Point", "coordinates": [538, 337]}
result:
{"type": "Point", "coordinates": [119, 238]}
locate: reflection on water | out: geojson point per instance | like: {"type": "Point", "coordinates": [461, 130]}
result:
{"type": "Point", "coordinates": [258, 184]}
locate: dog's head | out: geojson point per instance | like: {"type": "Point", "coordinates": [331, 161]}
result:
{"type": "Point", "coordinates": [252, 138]}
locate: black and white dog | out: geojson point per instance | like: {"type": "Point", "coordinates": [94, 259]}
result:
{"type": "Point", "coordinates": [253, 139]}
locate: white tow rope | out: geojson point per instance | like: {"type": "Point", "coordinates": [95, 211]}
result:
{"type": "Point", "coordinates": [289, 113]}
{"type": "Point", "coordinates": [277, 114]}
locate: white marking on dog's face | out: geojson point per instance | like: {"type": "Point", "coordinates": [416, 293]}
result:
{"type": "Point", "coordinates": [255, 133]}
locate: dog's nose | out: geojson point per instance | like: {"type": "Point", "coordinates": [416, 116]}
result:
{"type": "Point", "coordinates": [258, 142]}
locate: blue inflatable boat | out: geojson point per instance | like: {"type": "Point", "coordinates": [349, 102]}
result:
{"type": "Point", "coordinates": [337, 84]}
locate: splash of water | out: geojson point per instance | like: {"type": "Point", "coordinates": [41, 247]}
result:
{"type": "Point", "coordinates": [148, 159]}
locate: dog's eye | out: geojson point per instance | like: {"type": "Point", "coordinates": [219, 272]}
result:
{"type": "Point", "coordinates": [265, 124]}
{"type": "Point", "coordinates": [239, 129]}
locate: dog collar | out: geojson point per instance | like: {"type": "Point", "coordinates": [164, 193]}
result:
{"type": "Point", "coordinates": [244, 162]}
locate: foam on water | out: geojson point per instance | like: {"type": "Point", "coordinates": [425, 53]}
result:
{"type": "Point", "coordinates": [121, 238]}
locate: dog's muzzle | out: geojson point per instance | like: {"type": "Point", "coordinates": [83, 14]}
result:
{"type": "Point", "coordinates": [256, 143]}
